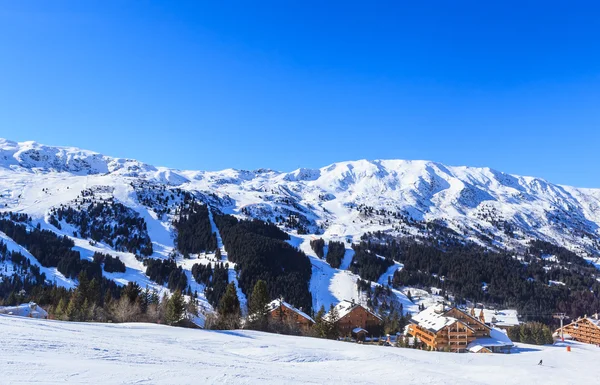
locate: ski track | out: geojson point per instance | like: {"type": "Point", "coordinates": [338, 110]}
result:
{"type": "Point", "coordinates": [231, 272]}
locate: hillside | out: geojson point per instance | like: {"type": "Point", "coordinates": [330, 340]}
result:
{"type": "Point", "coordinates": [131, 210]}
{"type": "Point", "coordinates": [53, 351]}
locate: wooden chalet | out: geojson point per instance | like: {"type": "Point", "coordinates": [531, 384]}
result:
{"type": "Point", "coordinates": [442, 328]}
{"type": "Point", "coordinates": [586, 329]}
{"type": "Point", "coordinates": [281, 311]}
{"type": "Point", "coordinates": [351, 316]}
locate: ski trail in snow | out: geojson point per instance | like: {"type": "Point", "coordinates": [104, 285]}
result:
{"type": "Point", "coordinates": [383, 280]}
{"type": "Point", "coordinates": [348, 255]}
{"type": "Point", "coordinates": [225, 259]}
{"type": "Point", "coordinates": [52, 273]}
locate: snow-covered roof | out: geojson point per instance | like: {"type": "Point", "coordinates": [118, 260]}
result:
{"type": "Point", "coordinates": [30, 309]}
{"type": "Point", "coordinates": [595, 321]}
{"type": "Point", "coordinates": [476, 348]}
{"type": "Point", "coordinates": [275, 304]}
{"type": "Point", "coordinates": [497, 338]}
{"type": "Point", "coordinates": [507, 317]}
{"type": "Point", "coordinates": [433, 318]}
{"type": "Point", "coordinates": [345, 307]}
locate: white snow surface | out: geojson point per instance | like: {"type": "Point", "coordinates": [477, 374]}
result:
{"type": "Point", "coordinates": [52, 352]}
{"type": "Point", "coordinates": [34, 178]}
{"type": "Point", "coordinates": [30, 309]}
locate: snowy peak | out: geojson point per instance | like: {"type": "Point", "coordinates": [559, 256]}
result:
{"type": "Point", "coordinates": [345, 198]}
{"type": "Point", "coordinates": [34, 156]}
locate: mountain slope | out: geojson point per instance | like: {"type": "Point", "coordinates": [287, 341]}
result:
{"type": "Point", "coordinates": [339, 202]}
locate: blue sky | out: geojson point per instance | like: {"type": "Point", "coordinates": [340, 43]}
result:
{"type": "Point", "coordinates": [209, 85]}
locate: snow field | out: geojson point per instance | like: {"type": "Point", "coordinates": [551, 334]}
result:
{"type": "Point", "coordinates": [51, 352]}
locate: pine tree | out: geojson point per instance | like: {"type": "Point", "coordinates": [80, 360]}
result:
{"type": "Point", "coordinates": [74, 308]}
{"type": "Point", "coordinates": [258, 307]}
{"type": "Point", "coordinates": [175, 308]}
{"type": "Point", "coordinates": [332, 330]}
{"type": "Point", "coordinates": [321, 326]}
{"type": "Point", "coordinates": [60, 309]}
{"type": "Point", "coordinates": [229, 308]}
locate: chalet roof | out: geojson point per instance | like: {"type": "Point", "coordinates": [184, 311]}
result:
{"type": "Point", "coordinates": [433, 318]}
{"type": "Point", "coordinates": [476, 318]}
{"type": "Point", "coordinates": [476, 348]}
{"type": "Point", "coordinates": [275, 304]}
{"type": "Point", "coordinates": [359, 330]}
{"type": "Point", "coordinates": [497, 338]}
{"type": "Point", "coordinates": [345, 307]}
{"type": "Point", "coordinates": [595, 321]}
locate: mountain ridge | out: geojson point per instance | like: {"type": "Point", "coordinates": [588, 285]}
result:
{"type": "Point", "coordinates": [476, 201]}
{"type": "Point", "coordinates": [21, 152]}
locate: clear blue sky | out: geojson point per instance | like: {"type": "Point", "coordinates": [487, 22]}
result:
{"type": "Point", "coordinates": [283, 84]}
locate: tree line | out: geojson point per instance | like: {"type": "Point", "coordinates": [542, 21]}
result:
{"type": "Point", "coordinates": [194, 231]}
{"type": "Point", "coordinates": [106, 221]}
{"type": "Point", "coordinates": [260, 252]}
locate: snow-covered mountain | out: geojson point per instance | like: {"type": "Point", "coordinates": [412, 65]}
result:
{"type": "Point", "coordinates": [341, 201]}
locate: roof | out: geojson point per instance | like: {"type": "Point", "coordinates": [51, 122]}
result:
{"type": "Point", "coordinates": [275, 304]}
{"type": "Point", "coordinates": [497, 338]}
{"type": "Point", "coordinates": [344, 308]}
{"type": "Point", "coordinates": [506, 318]}
{"type": "Point", "coordinates": [433, 318]}
{"type": "Point", "coordinates": [593, 320]}
{"type": "Point", "coordinates": [476, 348]}
{"type": "Point", "coordinates": [30, 309]}
{"type": "Point", "coordinates": [359, 330]}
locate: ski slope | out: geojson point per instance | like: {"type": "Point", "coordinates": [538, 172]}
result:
{"type": "Point", "coordinates": [52, 352]}
{"type": "Point", "coordinates": [35, 178]}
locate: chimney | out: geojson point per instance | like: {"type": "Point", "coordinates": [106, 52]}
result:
{"type": "Point", "coordinates": [439, 308]}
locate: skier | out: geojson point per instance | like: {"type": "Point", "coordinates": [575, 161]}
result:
{"type": "Point", "coordinates": [539, 363]}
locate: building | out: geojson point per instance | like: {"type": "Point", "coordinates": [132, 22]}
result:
{"type": "Point", "coordinates": [351, 315]}
{"type": "Point", "coordinates": [31, 310]}
{"type": "Point", "coordinates": [359, 334]}
{"type": "Point", "coordinates": [586, 329]}
{"type": "Point", "coordinates": [443, 328]}
{"type": "Point", "coordinates": [281, 311]}
{"type": "Point", "coordinates": [501, 319]}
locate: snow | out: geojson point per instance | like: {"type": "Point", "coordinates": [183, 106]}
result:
{"type": "Point", "coordinates": [232, 275]}
{"type": "Point", "coordinates": [497, 338]}
{"type": "Point", "coordinates": [504, 318]}
{"type": "Point", "coordinates": [30, 309]}
{"type": "Point", "coordinates": [52, 274]}
{"type": "Point", "coordinates": [433, 318]}
{"type": "Point", "coordinates": [344, 308]}
{"type": "Point", "coordinates": [40, 351]}
{"type": "Point", "coordinates": [34, 178]}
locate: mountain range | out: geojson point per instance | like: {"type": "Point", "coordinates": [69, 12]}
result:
{"type": "Point", "coordinates": [342, 202]}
